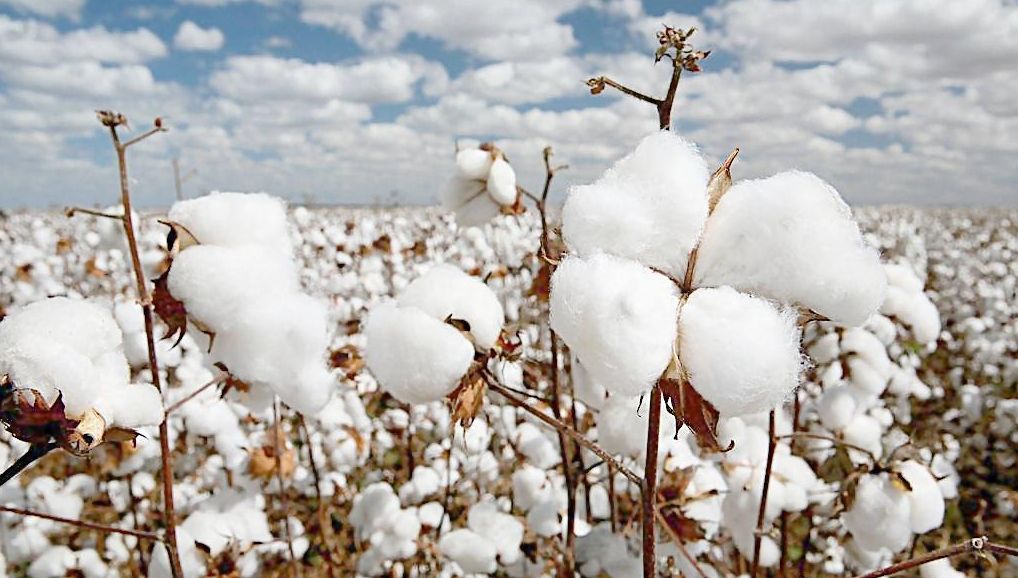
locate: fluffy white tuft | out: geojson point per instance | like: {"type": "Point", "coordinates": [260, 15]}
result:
{"type": "Point", "coordinates": [618, 317]}
{"type": "Point", "coordinates": [741, 352]}
{"type": "Point", "coordinates": [414, 356]}
{"type": "Point", "coordinates": [792, 238]}
{"type": "Point", "coordinates": [925, 496]}
{"type": "Point", "coordinates": [231, 219]}
{"type": "Point", "coordinates": [649, 207]}
{"type": "Point", "coordinates": [446, 291]}
{"type": "Point", "coordinates": [879, 517]}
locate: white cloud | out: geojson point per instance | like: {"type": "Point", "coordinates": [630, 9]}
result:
{"type": "Point", "coordinates": [34, 42]}
{"type": "Point", "coordinates": [372, 80]}
{"type": "Point", "coordinates": [192, 37]}
{"type": "Point", "coordinates": [493, 29]}
{"type": "Point", "coordinates": [48, 8]}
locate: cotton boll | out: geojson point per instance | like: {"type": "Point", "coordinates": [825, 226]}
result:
{"type": "Point", "coordinates": [446, 291]}
{"type": "Point", "coordinates": [472, 552]}
{"type": "Point", "coordinates": [618, 317]}
{"type": "Point", "coordinates": [503, 530]}
{"type": "Point", "coordinates": [836, 407]}
{"type": "Point", "coordinates": [473, 163]}
{"type": "Point", "coordinates": [865, 431]}
{"type": "Point", "coordinates": [649, 207]}
{"type": "Point", "coordinates": [741, 352]}
{"type": "Point", "coordinates": [791, 237]}
{"type": "Point", "coordinates": [502, 183]}
{"type": "Point", "coordinates": [869, 348]}
{"type": "Point", "coordinates": [83, 326]}
{"type": "Point", "coordinates": [879, 516]}
{"type": "Point", "coordinates": [826, 349]}
{"type": "Point", "coordinates": [925, 497]}
{"type": "Point", "coordinates": [135, 405]}
{"type": "Point", "coordinates": [865, 377]}
{"type": "Point", "coordinates": [528, 485]}
{"type": "Point", "coordinates": [414, 356]}
{"type": "Point", "coordinates": [234, 219]}
{"type": "Point", "coordinates": [620, 429]}
{"type": "Point", "coordinates": [54, 563]}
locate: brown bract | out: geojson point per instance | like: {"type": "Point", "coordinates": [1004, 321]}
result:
{"type": "Point", "coordinates": [468, 397]}
{"type": "Point", "coordinates": [690, 408]}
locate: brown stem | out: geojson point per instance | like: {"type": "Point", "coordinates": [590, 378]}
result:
{"type": "Point", "coordinates": [283, 498]}
{"type": "Point", "coordinates": [758, 536]}
{"type": "Point", "coordinates": [626, 90]}
{"type": "Point", "coordinates": [826, 438]}
{"type": "Point", "coordinates": [34, 452]}
{"type": "Point", "coordinates": [567, 466]}
{"type": "Point", "coordinates": [493, 385]}
{"type": "Point", "coordinates": [311, 457]}
{"type": "Point", "coordinates": [146, 305]}
{"type": "Point", "coordinates": [981, 544]}
{"type": "Point", "coordinates": [678, 544]}
{"type": "Point", "coordinates": [83, 524]}
{"type": "Point", "coordinates": [650, 485]}
{"type": "Point", "coordinates": [664, 107]}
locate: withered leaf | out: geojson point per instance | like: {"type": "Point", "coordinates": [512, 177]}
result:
{"type": "Point", "coordinates": [28, 417]}
{"type": "Point", "coordinates": [541, 286]}
{"type": "Point", "coordinates": [348, 358]}
{"type": "Point", "coordinates": [122, 435]}
{"type": "Point", "coordinates": [837, 467]}
{"type": "Point", "coordinates": [462, 324]}
{"type": "Point", "coordinates": [901, 482]}
{"type": "Point", "coordinates": [686, 529]}
{"type": "Point", "coordinates": [467, 398]}
{"type": "Point", "coordinates": [691, 409]}
{"type": "Point", "coordinates": [170, 309]}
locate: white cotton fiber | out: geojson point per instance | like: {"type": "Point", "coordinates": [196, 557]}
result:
{"type": "Point", "coordinates": [414, 356]}
{"type": "Point", "coordinates": [940, 569]}
{"type": "Point", "coordinates": [618, 317]}
{"type": "Point", "coordinates": [469, 200]}
{"type": "Point", "coordinates": [471, 551]}
{"type": "Point", "coordinates": [74, 348]}
{"type": "Point", "coordinates": [907, 302]}
{"type": "Point", "coordinates": [649, 207]}
{"type": "Point", "coordinates": [620, 430]}
{"type": "Point", "coordinates": [232, 219]}
{"type": "Point", "coordinates": [792, 238]}
{"type": "Point", "coordinates": [741, 352]}
{"type": "Point", "coordinates": [868, 348]}
{"type": "Point", "coordinates": [446, 291]}
{"type": "Point", "coordinates": [925, 497]}
{"type": "Point", "coordinates": [865, 432]}
{"type": "Point", "coordinates": [502, 530]}
{"type": "Point", "coordinates": [836, 407]}
{"type": "Point", "coordinates": [502, 183]}
{"type": "Point", "coordinates": [879, 516]}
{"type": "Point", "coordinates": [473, 163]}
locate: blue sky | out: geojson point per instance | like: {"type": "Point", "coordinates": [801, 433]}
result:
{"type": "Point", "coordinates": [352, 101]}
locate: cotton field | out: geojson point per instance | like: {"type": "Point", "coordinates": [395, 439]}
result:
{"type": "Point", "coordinates": [900, 438]}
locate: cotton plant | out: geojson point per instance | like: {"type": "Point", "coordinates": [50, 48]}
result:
{"type": "Point", "coordinates": [66, 380]}
{"type": "Point", "coordinates": [675, 278]}
{"type": "Point", "coordinates": [482, 187]}
{"type": "Point", "coordinates": [233, 279]}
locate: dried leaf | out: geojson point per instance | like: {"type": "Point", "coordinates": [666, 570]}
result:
{"type": "Point", "coordinates": [263, 459]}
{"type": "Point", "coordinates": [349, 359]}
{"type": "Point", "coordinates": [170, 309]}
{"type": "Point", "coordinates": [899, 481]}
{"type": "Point", "coordinates": [460, 324]}
{"type": "Point", "coordinates": [28, 417]}
{"type": "Point", "coordinates": [541, 286]}
{"type": "Point", "coordinates": [468, 397]}
{"type": "Point", "coordinates": [720, 181]}
{"type": "Point", "coordinates": [687, 529]}
{"type": "Point", "coordinates": [178, 237]}
{"type": "Point", "coordinates": [837, 467]}
{"type": "Point", "coordinates": [85, 436]}
{"type": "Point", "coordinates": [691, 409]}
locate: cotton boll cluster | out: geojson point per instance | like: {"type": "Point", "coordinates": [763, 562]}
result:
{"type": "Point", "coordinates": [73, 349]}
{"type": "Point", "coordinates": [414, 348]}
{"type": "Point", "coordinates": [482, 185]}
{"type": "Point", "coordinates": [906, 302]}
{"type": "Point", "coordinates": [390, 531]}
{"type": "Point", "coordinates": [490, 538]}
{"type": "Point", "coordinates": [239, 283]}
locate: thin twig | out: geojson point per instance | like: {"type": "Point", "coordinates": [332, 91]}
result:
{"type": "Point", "coordinates": [650, 485]}
{"type": "Point", "coordinates": [493, 385]}
{"type": "Point", "coordinates": [981, 544]}
{"type": "Point", "coordinates": [758, 536]}
{"type": "Point", "coordinates": [83, 524]}
{"type": "Point", "coordinates": [311, 457]}
{"type": "Point", "coordinates": [626, 90]}
{"type": "Point", "coordinates": [72, 211]}
{"type": "Point", "coordinates": [143, 136]}
{"type": "Point", "coordinates": [215, 381]}
{"type": "Point", "coordinates": [826, 438]}
{"type": "Point", "coordinates": [678, 544]}
{"type": "Point", "coordinates": [146, 304]}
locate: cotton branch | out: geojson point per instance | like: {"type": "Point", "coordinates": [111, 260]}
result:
{"type": "Point", "coordinates": [758, 536]}
{"type": "Point", "coordinates": [83, 524]}
{"type": "Point", "coordinates": [979, 545]}
{"type": "Point", "coordinates": [674, 47]}
{"type": "Point", "coordinates": [72, 211]}
{"type": "Point", "coordinates": [112, 120]}
{"type": "Point", "coordinates": [35, 452]}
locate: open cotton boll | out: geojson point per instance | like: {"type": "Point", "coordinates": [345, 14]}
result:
{"type": "Point", "coordinates": [473, 163]}
{"type": "Point", "coordinates": [232, 219]}
{"type": "Point", "coordinates": [618, 317]}
{"type": "Point", "coordinates": [836, 407]}
{"type": "Point", "coordinates": [472, 552]}
{"type": "Point", "coordinates": [131, 406]}
{"type": "Point", "coordinates": [415, 357]}
{"type": "Point", "coordinates": [925, 497]}
{"type": "Point", "coordinates": [869, 348]}
{"type": "Point", "coordinates": [620, 430]}
{"type": "Point", "coordinates": [446, 291]}
{"type": "Point", "coordinates": [502, 182]}
{"type": "Point", "coordinates": [468, 199]}
{"type": "Point", "coordinates": [741, 352]}
{"type": "Point", "coordinates": [879, 516]}
{"type": "Point", "coordinates": [649, 207]}
{"type": "Point", "coordinates": [792, 238]}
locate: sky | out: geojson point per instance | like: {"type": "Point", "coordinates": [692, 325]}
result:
{"type": "Point", "coordinates": [362, 101]}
